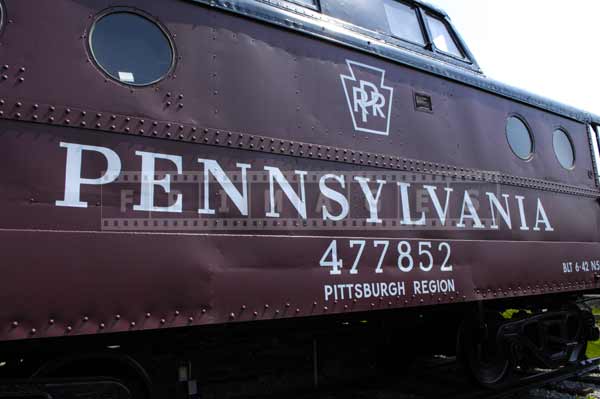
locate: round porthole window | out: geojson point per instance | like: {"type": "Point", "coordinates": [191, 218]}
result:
{"type": "Point", "coordinates": [563, 149]}
{"type": "Point", "coordinates": [519, 137]}
{"type": "Point", "coordinates": [131, 48]}
{"type": "Point", "coordinates": [2, 12]}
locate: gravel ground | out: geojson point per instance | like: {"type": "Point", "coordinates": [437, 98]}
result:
{"type": "Point", "coordinates": [568, 390]}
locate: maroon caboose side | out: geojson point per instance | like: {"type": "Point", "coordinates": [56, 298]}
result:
{"type": "Point", "coordinates": [216, 196]}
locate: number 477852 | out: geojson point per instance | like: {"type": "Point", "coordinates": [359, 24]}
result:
{"type": "Point", "coordinates": [424, 256]}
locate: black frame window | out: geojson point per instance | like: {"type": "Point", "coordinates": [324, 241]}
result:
{"type": "Point", "coordinates": [442, 36]}
{"type": "Point", "coordinates": [404, 22]}
{"type": "Point", "coordinates": [131, 48]}
{"type": "Point", "coordinates": [314, 4]}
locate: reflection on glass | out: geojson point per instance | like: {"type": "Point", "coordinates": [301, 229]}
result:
{"type": "Point", "coordinates": [403, 21]}
{"type": "Point", "coordinates": [441, 36]}
{"type": "Point", "coordinates": [519, 137]}
{"type": "Point", "coordinates": [563, 149]}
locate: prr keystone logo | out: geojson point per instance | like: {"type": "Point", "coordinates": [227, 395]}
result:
{"type": "Point", "coordinates": [369, 99]}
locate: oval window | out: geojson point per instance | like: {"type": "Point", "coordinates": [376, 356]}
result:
{"type": "Point", "coordinates": [131, 49]}
{"type": "Point", "coordinates": [563, 149]}
{"type": "Point", "coordinates": [519, 137]}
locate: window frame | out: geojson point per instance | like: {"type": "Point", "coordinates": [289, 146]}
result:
{"type": "Point", "coordinates": [130, 10]}
{"type": "Point", "coordinates": [450, 29]}
{"type": "Point", "coordinates": [3, 18]}
{"type": "Point", "coordinates": [316, 4]}
{"type": "Point", "coordinates": [418, 16]}
{"type": "Point", "coordinates": [571, 143]}
{"type": "Point", "coordinates": [529, 131]}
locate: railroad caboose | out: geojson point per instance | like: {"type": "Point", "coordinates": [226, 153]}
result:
{"type": "Point", "coordinates": [197, 190]}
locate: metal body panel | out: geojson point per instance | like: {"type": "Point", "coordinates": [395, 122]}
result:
{"type": "Point", "coordinates": [245, 92]}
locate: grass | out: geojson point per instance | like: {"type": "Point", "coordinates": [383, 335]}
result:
{"type": "Point", "coordinates": [593, 348]}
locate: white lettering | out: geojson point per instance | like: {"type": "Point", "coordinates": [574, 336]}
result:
{"type": "Point", "coordinates": [73, 179]}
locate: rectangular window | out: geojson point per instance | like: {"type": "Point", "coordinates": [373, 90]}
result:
{"type": "Point", "coordinates": [403, 21]}
{"type": "Point", "coordinates": [594, 139]}
{"type": "Point", "coordinates": [306, 3]}
{"type": "Point", "coordinates": [441, 36]}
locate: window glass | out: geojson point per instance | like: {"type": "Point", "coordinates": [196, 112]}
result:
{"type": "Point", "coordinates": [308, 3]}
{"type": "Point", "coordinates": [519, 137]}
{"type": "Point", "coordinates": [563, 149]}
{"type": "Point", "coordinates": [131, 49]}
{"type": "Point", "coordinates": [441, 36]}
{"type": "Point", "coordinates": [403, 21]}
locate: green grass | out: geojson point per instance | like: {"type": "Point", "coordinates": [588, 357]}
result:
{"type": "Point", "coordinates": [593, 348]}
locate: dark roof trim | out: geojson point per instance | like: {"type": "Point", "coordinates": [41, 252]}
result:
{"type": "Point", "coordinates": [310, 22]}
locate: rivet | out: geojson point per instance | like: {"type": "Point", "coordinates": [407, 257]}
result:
{"type": "Point", "coordinates": [51, 321]}
{"type": "Point", "coordinates": [21, 79]}
{"type": "Point", "coordinates": [266, 306]}
{"type": "Point", "coordinates": [181, 136]}
{"type": "Point", "coordinates": [243, 307]}
{"type": "Point", "coordinates": [102, 325]}
{"type": "Point", "coordinates": [69, 328]}
{"type": "Point", "coordinates": [177, 313]}
{"type": "Point", "coordinates": [5, 67]}
{"type": "Point", "coordinates": [113, 117]}
{"type": "Point", "coordinates": [126, 129]}
{"type": "Point", "coordinates": [168, 103]}
{"type": "Point", "coordinates": [85, 318]}
{"type": "Point", "coordinates": [22, 69]}
{"type": "Point", "coordinates": [181, 96]}
{"type": "Point", "coordinates": [287, 305]}
{"type": "Point", "coordinates": [297, 310]}
{"type": "Point", "coordinates": [33, 331]}
{"type": "Point", "coordinates": [190, 319]}
{"type": "Point", "coordinates": [128, 119]}
{"type": "Point", "coordinates": [203, 311]}
{"type": "Point", "coordinates": [51, 119]}
{"type": "Point", "coordinates": [67, 121]}
{"type": "Point", "coordinates": [15, 323]}
{"type": "Point", "coordinates": [52, 108]}
{"type": "Point", "coordinates": [68, 111]}
{"type": "Point", "coordinates": [113, 127]}
{"type": "Point", "coordinates": [141, 131]}
{"type": "Point", "coordinates": [4, 77]}
{"type": "Point", "coordinates": [148, 315]}
{"type": "Point", "coordinates": [325, 308]}
{"type": "Point", "coordinates": [231, 316]}
{"type": "Point", "coordinates": [83, 113]}
{"type": "Point", "coordinates": [255, 313]}
{"type": "Point", "coordinates": [132, 324]}
{"type": "Point", "coordinates": [19, 104]}
{"type": "Point", "coordinates": [18, 114]}
{"type": "Point", "coordinates": [118, 317]}
{"type": "Point", "coordinates": [162, 321]}
{"type": "Point", "coordinates": [180, 105]}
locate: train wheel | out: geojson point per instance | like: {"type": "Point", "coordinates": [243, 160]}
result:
{"type": "Point", "coordinates": [485, 362]}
